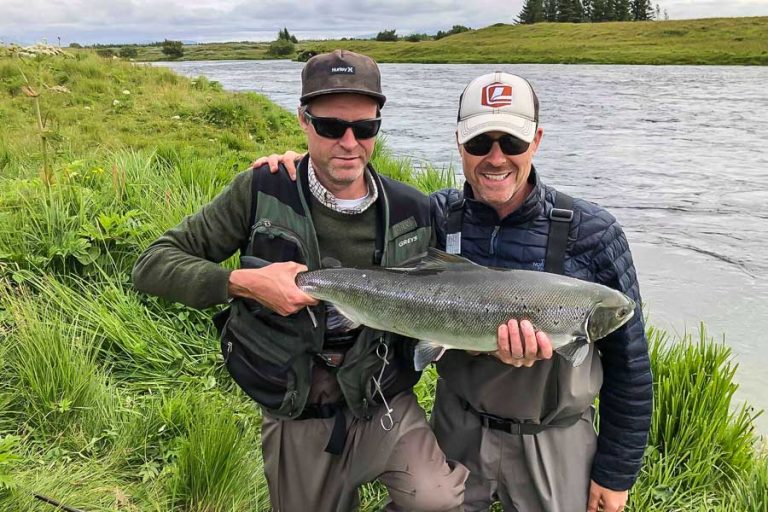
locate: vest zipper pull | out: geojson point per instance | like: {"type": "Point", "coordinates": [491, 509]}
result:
{"type": "Point", "coordinates": [312, 317]}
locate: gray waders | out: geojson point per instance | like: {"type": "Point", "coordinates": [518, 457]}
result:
{"type": "Point", "coordinates": [542, 462]}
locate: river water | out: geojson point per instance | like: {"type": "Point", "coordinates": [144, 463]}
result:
{"type": "Point", "coordinates": [677, 153]}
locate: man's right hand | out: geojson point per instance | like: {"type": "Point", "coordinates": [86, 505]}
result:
{"type": "Point", "coordinates": [273, 286]}
{"type": "Point", "coordinates": [288, 159]}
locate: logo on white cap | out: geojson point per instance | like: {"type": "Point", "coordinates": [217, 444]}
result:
{"type": "Point", "coordinates": [497, 95]}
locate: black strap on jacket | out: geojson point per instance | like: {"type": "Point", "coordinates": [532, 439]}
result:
{"type": "Point", "coordinates": [560, 218]}
{"type": "Point", "coordinates": [454, 222]}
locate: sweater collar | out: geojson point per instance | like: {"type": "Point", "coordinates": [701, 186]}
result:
{"type": "Point", "coordinates": [531, 207]}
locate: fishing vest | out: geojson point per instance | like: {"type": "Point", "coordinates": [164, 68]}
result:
{"type": "Point", "coordinates": [271, 356]}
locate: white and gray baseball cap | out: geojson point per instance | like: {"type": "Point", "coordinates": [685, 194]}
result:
{"type": "Point", "coordinates": [498, 102]}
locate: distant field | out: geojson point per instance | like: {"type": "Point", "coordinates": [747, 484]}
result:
{"type": "Point", "coordinates": [742, 41]}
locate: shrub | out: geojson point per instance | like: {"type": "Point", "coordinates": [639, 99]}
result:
{"type": "Point", "coordinates": [128, 52]}
{"type": "Point", "coordinates": [281, 48]}
{"type": "Point", "coordinates": [387, 35]}
{"type": "Point", "coordinates": [173, 49]}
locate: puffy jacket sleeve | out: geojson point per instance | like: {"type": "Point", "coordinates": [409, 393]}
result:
{"type": "Point", "coordinates": [626, 396]}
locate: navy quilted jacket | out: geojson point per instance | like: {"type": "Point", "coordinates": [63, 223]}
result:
{"type": "Point", "coordinates": [597, 251]}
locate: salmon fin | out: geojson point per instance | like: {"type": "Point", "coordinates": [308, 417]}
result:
{"type": "Point", "coordinates": [329, 262]}
{"type": "Point", "coordinates": [575, 352]}
{"type": "Point", "coordinates": [434, 262]}
{"type": "Point", "coordinates": [425, 353]}
{"type": "Point", "coordinates": [442, 259]}
{"type": "Point", "coordinates": [341, 320]}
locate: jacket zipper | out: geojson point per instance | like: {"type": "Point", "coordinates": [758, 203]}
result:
{"type": "Point", "coordinates": [493, 239]}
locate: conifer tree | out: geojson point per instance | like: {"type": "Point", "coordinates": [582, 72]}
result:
{"type": "Point", "coordinates": [570, 11]}
{"type": "Point", "coordinates": [532, 12]}
{"type": "Point", "coordinates": [601, 10]}
{"type": "Point", "coordinates": [550, 10]}
{"type": "Point", "coordinates": [620, 10]}
{"type": "Point", "coordinates": [641, 10]}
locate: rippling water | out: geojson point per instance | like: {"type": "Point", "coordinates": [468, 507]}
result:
{"type": "Point", "coordinates": [677, 153]}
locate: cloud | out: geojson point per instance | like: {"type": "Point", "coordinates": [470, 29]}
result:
{"type": "Point", "coordinates": [226, 20]}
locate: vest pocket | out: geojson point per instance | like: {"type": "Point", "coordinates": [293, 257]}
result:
{"type": "Point", "coordinates": [266, 383]}
{"type": "Point", "coordinates": [253, 344]}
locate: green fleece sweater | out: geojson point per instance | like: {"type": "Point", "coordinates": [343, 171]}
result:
{"type": "Point", "coordinates": [183, 265]}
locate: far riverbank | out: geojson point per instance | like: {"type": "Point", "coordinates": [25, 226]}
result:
{"type": "Point", "coordinates": [711, 41]}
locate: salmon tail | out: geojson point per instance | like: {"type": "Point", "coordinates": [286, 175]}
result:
{"type": "Point", "coordinates": [426, 352]}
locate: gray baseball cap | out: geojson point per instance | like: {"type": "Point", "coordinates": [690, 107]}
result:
{"type": "Point", "coordinates": [338, 72]}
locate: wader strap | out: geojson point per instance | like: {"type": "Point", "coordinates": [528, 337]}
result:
{"type": "Point", "coordinates": [516, 427]}
{"type": "Point", "coordinates": [453, 224]}
{"type": "Point", "coordinates": [560, 224]}
{"type": "Point", "coordinates": [338, 437]}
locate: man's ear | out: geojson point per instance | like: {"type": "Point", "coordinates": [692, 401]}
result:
{"type": "Point", "coordinates": [459, 146]}
{"type": "Point", "coordinates": [300, 114]}
{"type": "Point", "coordinates": [537, 139]}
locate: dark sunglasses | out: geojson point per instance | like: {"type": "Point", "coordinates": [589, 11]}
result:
{"type": "Point", "coordinates": [481, 145]}
{"type": "Point", "coordinates": [333, 128]}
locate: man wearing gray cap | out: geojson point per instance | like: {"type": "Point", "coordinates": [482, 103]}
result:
{"type": "Point", "coordinates": [339, 408]}
{"type": "Point", "coordinates": [526, 433]}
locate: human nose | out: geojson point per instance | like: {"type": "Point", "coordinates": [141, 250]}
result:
{"type": "Point", "coordinates": [496, 156]}
{"type": "Point", "coordinates": [348, 140]}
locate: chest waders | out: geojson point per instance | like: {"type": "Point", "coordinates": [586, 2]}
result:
{"type": "Point", "coordinates": [560, 218]}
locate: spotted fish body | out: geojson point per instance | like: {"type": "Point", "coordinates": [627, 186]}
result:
{"type": "Point", "coordinates": [452, 303]}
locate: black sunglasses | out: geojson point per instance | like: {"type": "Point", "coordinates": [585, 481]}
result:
{"type": "Point", "coordinates": [333, 128]}
{"type": "Point", "coordinates": [481, 145]}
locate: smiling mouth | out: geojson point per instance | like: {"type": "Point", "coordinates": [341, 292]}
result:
{"type": "Point", "coordinates": [496, 177]}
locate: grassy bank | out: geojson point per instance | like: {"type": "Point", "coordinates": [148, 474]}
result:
{"type": "Point", "coordinates": [110, 400]}
{"type": "Point", "coordinates": [727, 41]}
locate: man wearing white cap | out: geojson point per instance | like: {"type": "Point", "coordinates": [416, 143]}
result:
{"type": "Point", "coordinates": [526, 432]}
{"type": "Point", "coordinates": [521, 420]}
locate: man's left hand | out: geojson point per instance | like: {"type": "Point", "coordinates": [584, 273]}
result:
{"type": "Point", "coordinates": [602, 499]}
{"type": "Point", "coordinates": [520, 345]}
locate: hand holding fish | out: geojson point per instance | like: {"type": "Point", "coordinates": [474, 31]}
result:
{"type": "Point", "coordinates": [520, 345]}
{"type": "Point", "coordinates": [273, 286]}
{"type": "Point", "coordinates": [288, 159]}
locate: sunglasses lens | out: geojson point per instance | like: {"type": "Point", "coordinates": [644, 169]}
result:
{"type": "Point", "coordinates": [482, 144]}
{"type": "Point", "coordinates": [366, 129]}
{"type": "Point", "coordinates": [333, 128]}
{"type": "Point", "coordinates": [478, 146]}
{"type": "Point", "coordinates": [512, 145]}
{"type": "Point", "coordinates": [329, 127]}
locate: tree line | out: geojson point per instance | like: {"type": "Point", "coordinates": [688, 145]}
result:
{"type": "Point", "coordinates": [578, 11]}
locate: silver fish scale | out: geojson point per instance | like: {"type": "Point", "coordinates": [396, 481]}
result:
{"type": "Point", "coordinates": [459, 309]}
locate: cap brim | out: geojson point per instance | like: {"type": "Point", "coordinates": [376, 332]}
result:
{"type": "Point", "coordinates": [378, 97]}
{"type": "Point", "coordinates": [517, 126]}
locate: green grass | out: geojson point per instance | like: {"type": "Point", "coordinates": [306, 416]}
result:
{"type": "Point", "coordinates": [111, 400]}
{"type": "Point", "coordinates": [726, 41]}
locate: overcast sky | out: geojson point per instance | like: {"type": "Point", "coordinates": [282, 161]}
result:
{"type": "Point", "coordinates": [92, 21]}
